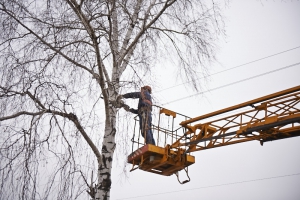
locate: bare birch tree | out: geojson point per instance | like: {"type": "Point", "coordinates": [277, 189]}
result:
{"type": "Point", "coordinates": [63, 63]}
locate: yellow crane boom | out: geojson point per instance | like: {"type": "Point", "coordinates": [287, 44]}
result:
{"type": "Point", "coordinates": [272, 117]}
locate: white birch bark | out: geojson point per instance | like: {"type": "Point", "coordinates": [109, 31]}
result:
{"type": "Point", "coordinates": [78, 37]}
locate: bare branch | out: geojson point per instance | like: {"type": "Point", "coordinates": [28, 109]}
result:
{"type": "Point", "coordinates": [146, 26]}
{"type": "Point", "coordinates": [44, 42]}
{"type": "Point", "coordinates": [59, 58]}
{"type": "Point", "coordinates": [20, 114]}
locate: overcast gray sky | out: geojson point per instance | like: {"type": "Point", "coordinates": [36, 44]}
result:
{"type": "Point", "coordinates": [268, 33]}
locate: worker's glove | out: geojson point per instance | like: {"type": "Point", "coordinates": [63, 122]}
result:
{"type": "Point", "coordinates": [119, 98]}
{"type": "Point", "coordinates": [131, 110]}
{"type": "Point", "coordinates": [119, 103]}
{"type": "Point", "coordinates": [126, 107]}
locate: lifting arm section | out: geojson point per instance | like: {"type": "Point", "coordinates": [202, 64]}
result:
{"type": "Point", "coordinates": [272, 117]}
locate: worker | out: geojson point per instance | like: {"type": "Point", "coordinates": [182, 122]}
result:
{"type": "Point", "coordinates": [143, 111]}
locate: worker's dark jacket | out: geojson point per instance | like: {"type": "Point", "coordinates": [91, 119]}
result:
{"type": "Point", "coordinates": [141, 103]}
{"type": "Point", "coordinates": [144, 114]}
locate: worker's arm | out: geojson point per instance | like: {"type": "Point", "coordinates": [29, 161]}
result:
{"type": "Point", "coordinates": [132, 95]}
{"type": "Point", "coordinates": [134, 111]}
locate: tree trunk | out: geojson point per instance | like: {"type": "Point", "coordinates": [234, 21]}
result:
{"type": "Point", "coordinates": [54, 51]}
{"type": "Point", "coordinates": [107, 152]}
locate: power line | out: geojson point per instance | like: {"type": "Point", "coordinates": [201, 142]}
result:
{"type": "Point", "coordinates": [212, 186]}
{"type": "Point", "coordinates": [233, 83]}
{"type": "Point", "coordinates": [276, 54]}
{"type": "Point", "coordinates": [236, 82]}
{"type": "Point", "coordinates": [225, 71]}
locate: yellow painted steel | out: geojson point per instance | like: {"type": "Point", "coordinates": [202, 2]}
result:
{"type": "Point", "coordinates": [159, 160]}
{"type": "Point", "coordinates": [167, 112]}
{"type": "Point", "coordinates": [272, 117]}
{"type": "Point", "coordinates": [245, 104]}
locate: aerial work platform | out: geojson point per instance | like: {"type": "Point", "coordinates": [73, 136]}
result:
{"type": "Point", "coordinates": [268, 118]}
{"type": "Point", "coordinates": [159, 160]}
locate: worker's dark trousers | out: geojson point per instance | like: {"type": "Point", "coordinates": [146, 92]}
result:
{"type": "Point", "coordinates": [146, 116]}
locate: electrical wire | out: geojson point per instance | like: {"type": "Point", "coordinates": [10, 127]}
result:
{"type": "Point", "coordinates": [276, 54]}
{"type": "Point", "coordinates": [213, 186]}
{"type": "Point", "coordinates": [233, 83]}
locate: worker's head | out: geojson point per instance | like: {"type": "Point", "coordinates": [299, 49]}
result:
{"type": "Point", "coordinates": [148, 88]}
